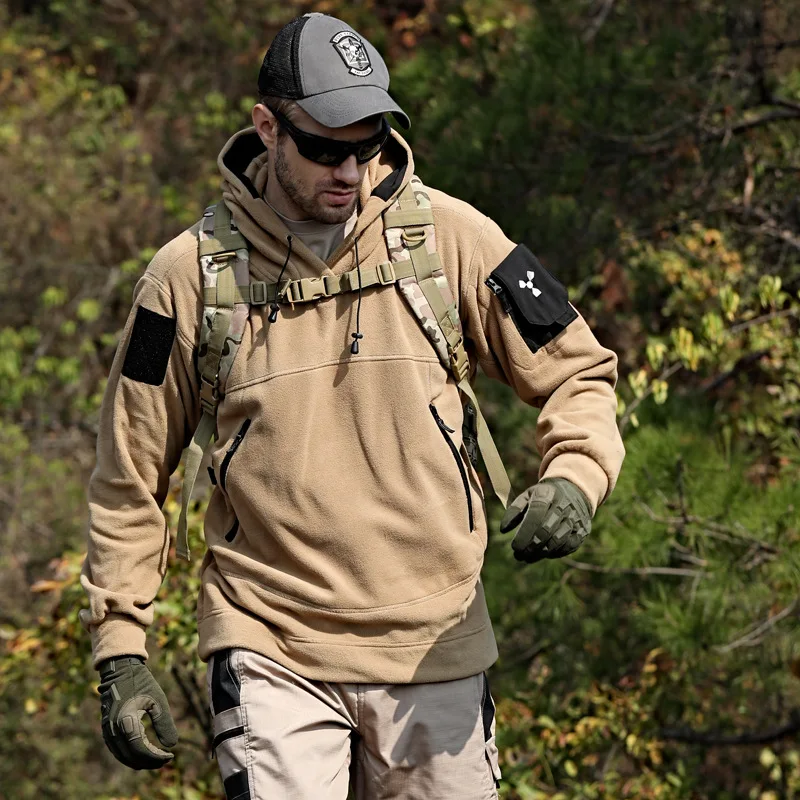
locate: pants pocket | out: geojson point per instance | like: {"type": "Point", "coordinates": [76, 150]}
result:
{"type": "Point", "coordinates": [490, 745]}
{"type": "Point", "coordinates": [229, 744]}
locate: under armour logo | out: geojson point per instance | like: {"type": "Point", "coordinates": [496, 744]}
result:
{"type": "Point", "coordinates": [529, 285]}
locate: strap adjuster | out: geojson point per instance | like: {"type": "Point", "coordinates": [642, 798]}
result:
{"type": "Point", "coordinates": [350, 279]}
{"type": "Point", "coordinates": [258, 293]}
{"type": "Point", "coordinates": [459, 362]}
{"type": "Point", "coordinates": [386, 274]}
{"type": "Point", "coordinates": [332, 284]}
{"type": "Point", "coordinates": [209, 394]}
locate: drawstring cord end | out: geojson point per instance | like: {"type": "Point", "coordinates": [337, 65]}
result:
{"type": "Point", "coordinates": [354, 346]}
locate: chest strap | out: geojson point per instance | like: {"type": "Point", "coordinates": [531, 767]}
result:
{"type": "Point", "coordinates": [304, 290]}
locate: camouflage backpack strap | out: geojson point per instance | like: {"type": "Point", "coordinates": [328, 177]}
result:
{"type": "Point", "coordinates": [224, 263]}
{"type": "Point", "coordinates": [411, 236]}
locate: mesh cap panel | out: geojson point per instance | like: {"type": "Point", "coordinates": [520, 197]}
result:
{"type": "Point", "coordinates": [280, 72]}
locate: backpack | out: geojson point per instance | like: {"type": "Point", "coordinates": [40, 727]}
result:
{"type": "Point", "coordinates": [414, 267]}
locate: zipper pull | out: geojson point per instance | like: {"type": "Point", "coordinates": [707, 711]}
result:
{"type": "Point", "coordinates": [439, 421]}
{"type": "Point", "coordinates": [239, 436]}
{"type": "Point", "coordinates": [499, 293]}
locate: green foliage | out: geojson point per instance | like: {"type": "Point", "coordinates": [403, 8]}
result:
{"type": "Point", "coordinates": [684, 571]}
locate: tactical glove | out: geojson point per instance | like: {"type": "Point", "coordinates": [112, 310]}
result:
{"type": "Point", "coordinates": [127, 692]}
{"type": "Point", "coordinates": [554, 518]}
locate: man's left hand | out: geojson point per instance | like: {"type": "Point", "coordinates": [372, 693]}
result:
{"type": "Point", "coordinates": [554, 518]}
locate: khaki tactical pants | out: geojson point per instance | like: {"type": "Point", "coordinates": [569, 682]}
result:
{"type": "Point", "coordinates": [278, 736]}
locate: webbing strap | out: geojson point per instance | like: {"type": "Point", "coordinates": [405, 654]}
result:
{"type": "Point", "coordinates": [226, 287]}
{"type": "Point", "coordinates": [442, 312]}
{"type": "Point", "coordinates": [402, 219]}
{"type": "Point", "coordinates": [225, 292]}
{"type": "Point", "coordinates": [257, 293]}
{"type": "Point", "coordinates": [491, 457]}
{"type": "Point", "coordinates": [222, 219]}
{"type": "Point", "coordinates": [194, 457]}
{"type": "Point", "coordinates": [425, 265]}
{"type": "Point", "coordinates": [304, 290]}
{"type": "Point", "coordinates": [406, 199]}
{"type": "Point", "coordinates": [223, 243]}
{"type": "Point", "coordinates": [224, 240]}
{"type": "Point", "coordinates": [220, 325]}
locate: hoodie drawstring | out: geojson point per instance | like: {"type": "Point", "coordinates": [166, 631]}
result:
{"type": "Point", "coordinates": [357, 335]}
{"type": "Point", "coordinates": [273, 309]}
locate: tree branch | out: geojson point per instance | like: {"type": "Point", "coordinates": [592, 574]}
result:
{"type": "Point", "coordinates": [636, 402]}
{"type": "Point", "coordinates": [714, 738]}
{"type": "Point", "coordinates": [710, 134]}
{"type": "Point", "coordinates": [740, 364]}
{"type": "Point", "coordinates": [594, 26]}
{"type": "Point", "coordinates": [642, 571]}
{"type": "Point", "coordinates": [711, 529]}
{"type": "Point", "coordinates": [780, 101]}
{"type": "Point", "coordinates": [753, 637]}
{"type": "Point", "coordinates": [768, 227]}
{"type": "Point", "coordinates": [787, 312]}
{"type": "Point", "coordinates": [706, 134]}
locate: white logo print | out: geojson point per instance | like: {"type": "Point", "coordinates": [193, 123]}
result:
{"type": "Point", "coordinates": [353, 53]}
{"type": "Point", "coordinates": [529, 285]}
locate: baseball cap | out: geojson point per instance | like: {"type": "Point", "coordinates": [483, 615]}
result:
{"type": "Point", "coordinates": [332, 73]}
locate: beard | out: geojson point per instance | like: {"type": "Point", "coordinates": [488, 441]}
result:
{"type": "Point", "coordinates": [309, 200]}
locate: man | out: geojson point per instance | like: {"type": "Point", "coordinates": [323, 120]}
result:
{"type": "Point", "coordinates": [341, 612]}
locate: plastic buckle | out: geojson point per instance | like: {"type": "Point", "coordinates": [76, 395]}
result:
{"type": "Point", "coordinates": [386, 274]}
{"type": "Point", "coordinates": [209, 396]}
{"type": "Point", "coordinates": [309, 289]}
{"type": "Point", "coordinates": [258, 293]}
{"type": "Point", "coordinates": [460, 367]}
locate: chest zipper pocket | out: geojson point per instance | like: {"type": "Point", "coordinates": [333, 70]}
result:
{"type": "Point", "coordinates": [459, 461]}
{"type": "Point", "coordinates": [223, 470]}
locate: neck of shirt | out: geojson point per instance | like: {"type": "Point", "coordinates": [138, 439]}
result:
{"type": "Point", "coordinates": [322, 238]}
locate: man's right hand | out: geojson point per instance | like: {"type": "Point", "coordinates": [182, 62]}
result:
{"type": "Point", "coordinates": [127, 692]}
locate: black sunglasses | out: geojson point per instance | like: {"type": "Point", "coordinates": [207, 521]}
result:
{"type": "Point", "coordinates": [333, 152]}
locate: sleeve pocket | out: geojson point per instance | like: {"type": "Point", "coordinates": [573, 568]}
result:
{"type": "Point", "coordinates": [537, 302]}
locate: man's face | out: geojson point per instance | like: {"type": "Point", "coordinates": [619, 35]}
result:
{"type": "Point", "coordinates": [324, 193]}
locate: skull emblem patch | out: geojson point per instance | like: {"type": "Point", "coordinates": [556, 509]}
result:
{"type": "Point", "coordinates": [353, 53]}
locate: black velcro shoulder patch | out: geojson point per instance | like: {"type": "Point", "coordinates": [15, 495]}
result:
{"type": "Point", "coordinates": [538, 302]}
{"type": "Point", "coordinates": [149, 347]}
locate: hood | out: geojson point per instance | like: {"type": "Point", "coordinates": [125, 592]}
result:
{"type": "Point", "coordinates": [243, 165]}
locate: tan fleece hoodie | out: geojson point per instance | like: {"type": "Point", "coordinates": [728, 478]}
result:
{"type": "Point", "coordinates": [338, 536]}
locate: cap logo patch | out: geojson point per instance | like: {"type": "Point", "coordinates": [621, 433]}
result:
{"type": "Point", "coordinates": [353, 53]}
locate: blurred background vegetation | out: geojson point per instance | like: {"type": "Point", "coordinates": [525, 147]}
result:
{"type": "Point", "coordinates": [649, 153]}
